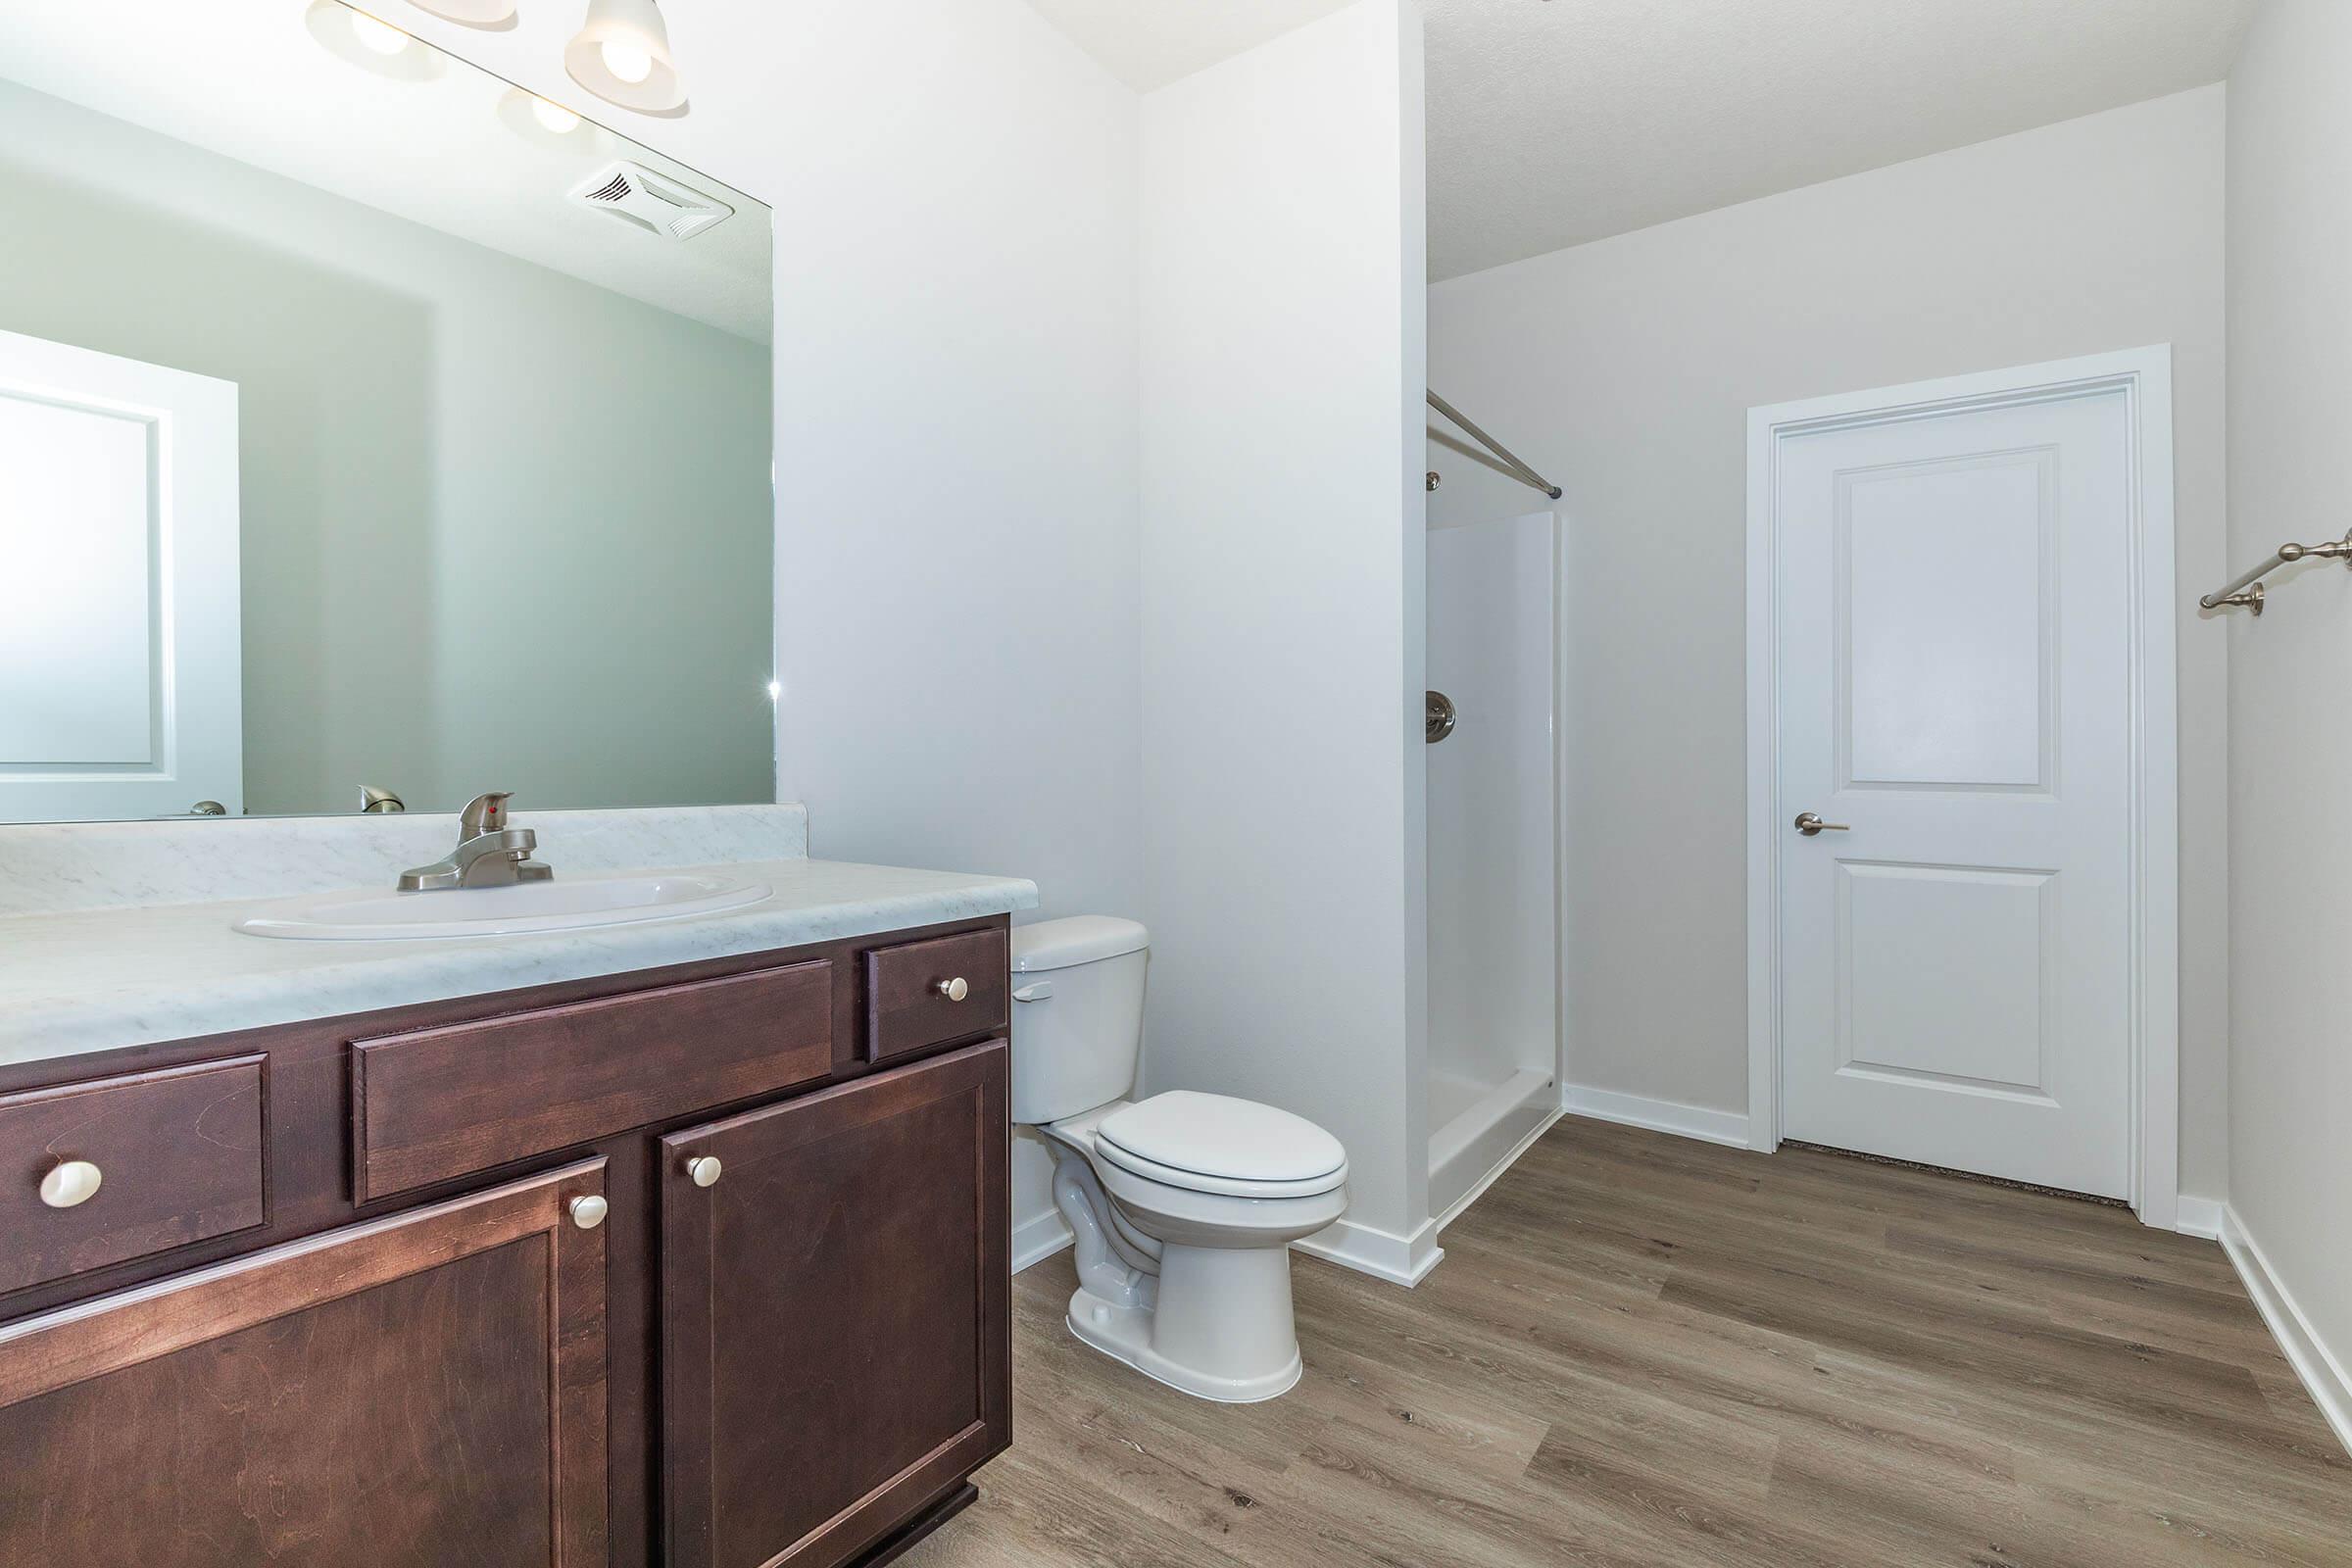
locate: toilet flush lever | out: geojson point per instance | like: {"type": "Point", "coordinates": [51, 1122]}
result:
{"type": "Point", "coordinates": [1038, 991]}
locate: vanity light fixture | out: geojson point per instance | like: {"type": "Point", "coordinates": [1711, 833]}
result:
{"type": "Point", "coordinates": [555, 118]}
{"type": "Point", "coordinates": [622, 54]}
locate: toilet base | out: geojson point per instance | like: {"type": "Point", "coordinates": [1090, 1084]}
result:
{"type": "Point", "coordinates": [1124, 1334]}
{"type": "Point", "coordinates": [1221, 1328]}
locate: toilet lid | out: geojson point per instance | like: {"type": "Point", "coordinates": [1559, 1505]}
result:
{"type": "Point", "coordinates": [1221, 1138]}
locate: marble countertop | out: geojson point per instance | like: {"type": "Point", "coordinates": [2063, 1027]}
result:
{"type": "Point", "coordinates": [79, 980]}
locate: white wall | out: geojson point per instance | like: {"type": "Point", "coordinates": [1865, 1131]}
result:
{"type": "Point", "coordinates": [2290, 730]}
{"type": "Point", "coordinates": [956, 438]}
{"type": "Point", "coordinates": [1623, 370]}
{"type": "Point", "coordinates": [1281, 563]}
{"type": "Point", "coordinates": [957, 584]}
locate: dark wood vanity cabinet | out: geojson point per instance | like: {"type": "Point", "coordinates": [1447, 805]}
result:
{"type": "Point", "coordinates": [447, 1285]}
{"type": "Point", "coordinates": [412, 1392]}
{"type": "Point", "coordinates": [846, 1264]}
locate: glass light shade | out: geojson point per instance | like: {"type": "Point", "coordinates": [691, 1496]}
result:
{"type": "Point", "coordinates": [622, 54]}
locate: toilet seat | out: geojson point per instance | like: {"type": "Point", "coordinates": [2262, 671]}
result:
{"type": "Point", "coordinates": [1218, 1144]}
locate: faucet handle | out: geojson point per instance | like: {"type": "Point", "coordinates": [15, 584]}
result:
{"type": "Point", "coordinates": [484, 814]}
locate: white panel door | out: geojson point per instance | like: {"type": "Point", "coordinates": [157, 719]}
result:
{"type": "Point", "coordinates": [120, 692]}
{"type": "Point", "coordinates": [1955, 698]}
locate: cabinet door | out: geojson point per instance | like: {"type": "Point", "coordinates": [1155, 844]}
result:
{"type": "Point", "coordinates": [425, 1391]}
{"type": "Point", "coordinates": [834, 1306]}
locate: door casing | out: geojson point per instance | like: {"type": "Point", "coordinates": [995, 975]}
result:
{"type": "Point", "coordinates": [2144, 377]}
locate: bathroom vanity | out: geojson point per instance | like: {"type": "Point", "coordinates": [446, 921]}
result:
{"type": "Point", "coordinates": [700, 1263]}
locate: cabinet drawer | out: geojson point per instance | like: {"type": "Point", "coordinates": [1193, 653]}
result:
{"type": "Point", "coordinates": [910, 1002]}
{"type": "Point", "coordinates": [179, 1157]}
{"type": "Point", "coordinates": [439, 1103]}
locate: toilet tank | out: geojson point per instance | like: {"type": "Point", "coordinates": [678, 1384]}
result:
{"type": "Point", "coordinates": [1075, 1041]}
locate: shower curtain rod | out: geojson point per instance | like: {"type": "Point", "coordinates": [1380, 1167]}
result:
{"type": "Point", "coordinates": [1511, 464]}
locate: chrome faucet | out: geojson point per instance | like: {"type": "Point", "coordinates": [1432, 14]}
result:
{"type": "Point", "coordinates": [489, 854]}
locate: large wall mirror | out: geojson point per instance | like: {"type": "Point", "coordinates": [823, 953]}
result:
{"type": "Point", "coordinates": [366, 424]}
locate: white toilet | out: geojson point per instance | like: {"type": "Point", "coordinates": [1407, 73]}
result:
{"type": "Point", "coordinates": [1184, 1204]}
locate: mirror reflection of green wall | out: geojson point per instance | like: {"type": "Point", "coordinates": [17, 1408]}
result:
{"type": "Point", "coordinates": [503, 460]}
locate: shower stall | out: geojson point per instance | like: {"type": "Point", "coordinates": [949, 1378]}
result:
{"type": "Point", "coordinates": [1494, 999]}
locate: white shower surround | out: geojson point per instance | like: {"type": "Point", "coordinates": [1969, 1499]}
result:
{"type": "Point", "coordinates": [1494, 852]}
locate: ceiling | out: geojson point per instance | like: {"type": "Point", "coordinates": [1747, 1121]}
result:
{"type": "Point", "coordinates": [1551, 123]}
{"type": "Point", "coordinates": [437, 144]}
{"type": "Point", "coordinates": [1556, 121]}
{"type": "Point", "coordinates": [1149, 43]}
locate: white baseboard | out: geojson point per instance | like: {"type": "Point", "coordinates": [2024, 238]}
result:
{"type": "Point", "coordinates": [2321, 1372]}
{"type": "Point", "coordinates": [1658, 1115]}
{"type": "Point", "coordinates": [1454, 1209]}
{"type": "Point", "coordinates": [1399, 1259]}
{"type": "Point", "coordinates": [2194, 1216]}
{"type": "Point", "coordinates": [1038, 1238]}
{"type": "Point", "coordinates": [2199, 1216]}
{"type": "Point", "coordinates": [1403, 1260]}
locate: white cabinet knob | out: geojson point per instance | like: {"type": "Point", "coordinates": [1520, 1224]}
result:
{"type": "Point", "coordinates": [704, 1170]}
{"type": "Point", "coordinates": [71, 1182]}
{"type": "Point", "coordinates": [954, 989]}
{"type": "Point", "coordinates": [588, 1211]}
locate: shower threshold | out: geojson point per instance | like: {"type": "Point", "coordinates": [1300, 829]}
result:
{"type": "Point", "coordinates": [1479, 1141]}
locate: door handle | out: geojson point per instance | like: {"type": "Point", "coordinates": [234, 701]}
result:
{"type": "Point", "coordinates": [1810, 824]}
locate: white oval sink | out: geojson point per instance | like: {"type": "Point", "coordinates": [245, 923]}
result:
{"type": "Point", "coordinates": [567, 904]}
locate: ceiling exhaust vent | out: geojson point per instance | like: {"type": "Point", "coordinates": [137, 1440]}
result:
{"type": "Point", "coordinates": [654, 202]}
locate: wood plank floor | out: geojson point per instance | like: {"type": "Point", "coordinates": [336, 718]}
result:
{"type": "Point", "coordinates": [1643, 1350]}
